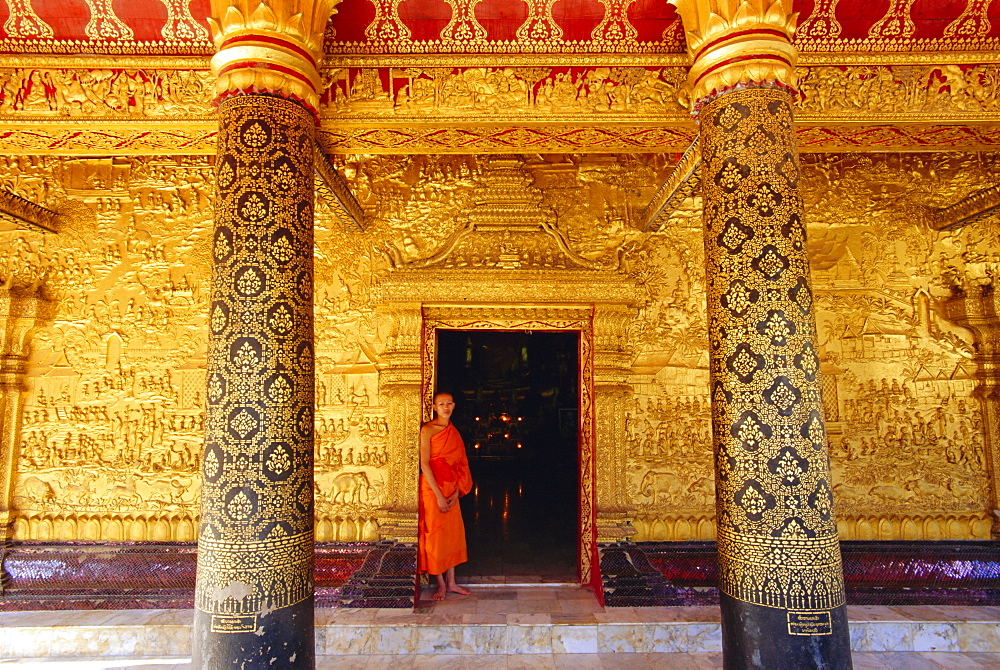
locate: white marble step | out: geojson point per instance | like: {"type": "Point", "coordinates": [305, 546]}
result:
{"type": "Point", "coordinates": [167, 633]}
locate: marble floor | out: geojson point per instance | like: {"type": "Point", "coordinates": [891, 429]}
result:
{"type": "Point", "coordinates": [669, 661]}
{"type": "Point", "coordinates": [561, 620]}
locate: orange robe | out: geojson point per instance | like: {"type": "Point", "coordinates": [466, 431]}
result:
{"type": "Point", "coordinates": [442, 535]}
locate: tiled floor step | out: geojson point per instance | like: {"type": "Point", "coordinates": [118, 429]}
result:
{"type": "Point", "coordinates": [501, 621]}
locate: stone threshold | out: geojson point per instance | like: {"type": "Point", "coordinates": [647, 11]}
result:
{"type": "Point", "coordinates": [167, 633]}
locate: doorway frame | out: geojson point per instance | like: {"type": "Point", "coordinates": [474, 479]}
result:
{"type": "Point", "coordinates": [569, 318]}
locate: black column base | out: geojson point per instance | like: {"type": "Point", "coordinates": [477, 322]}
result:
{"type": "Point", "coordinates": [754, 636]}
{"type": "Point", "coordinates": [283, 638]}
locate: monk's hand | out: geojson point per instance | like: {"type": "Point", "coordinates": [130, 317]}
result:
{"type": "Point", "coordinates": [443, 504]}
{"type": "Point", "coordinates": [453, 500]}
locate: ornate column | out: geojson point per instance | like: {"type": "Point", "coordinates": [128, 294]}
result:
{"type": "Point", "coordinates": [254, 593]}
{"type": "Point", "coordinates": [978, 309]}
{"type": "Point", "coordinates": [400, 386]}
{"type": "Point", "coordinates": [19, 316]}
{"type": "Point", "coordinates": [612, 365]}
{"type": "Point", "coordinates": [780, 571]}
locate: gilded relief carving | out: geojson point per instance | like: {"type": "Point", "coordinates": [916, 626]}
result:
{"type": "Point", "coordinates": [518, 91]}
{"type": "Point", "coordinates": [116, 374]}
{"type": "Point", "coordinates": [153, 108]}
{"type": "Point", "coordinates": [618, 93]}
{"type": "Point", "coordinates": [891, 91]}
{"type": "Point", "coordinates": [106, 92]}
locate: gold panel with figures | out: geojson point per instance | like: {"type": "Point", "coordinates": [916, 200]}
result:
{"type": "Point", "coordinates": [112, 358]}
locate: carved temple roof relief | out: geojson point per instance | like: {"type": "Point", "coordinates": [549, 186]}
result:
{"type": "Point", "coordinates": [508, 229]}
{"type": "Point", "coordinates": [511, 235]}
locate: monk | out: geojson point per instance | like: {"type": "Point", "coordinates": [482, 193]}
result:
{"type": "Point", "coordinates": [444, 476]}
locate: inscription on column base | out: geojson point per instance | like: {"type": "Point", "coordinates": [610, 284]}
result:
{"type": "Point", "coordinates": [810, 623]}
{"type": "Point", "coordinates": [754, 636]}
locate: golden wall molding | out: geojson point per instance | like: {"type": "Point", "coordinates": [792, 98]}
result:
{"type": "Point", "coordinates": [24, 212]}
{"type": "Point", "coordinates": [975, 307]}
{"type": "Point", "coordinates": [682, 182]}
{"type": "Point", "coordinates": [970, 209]}
{"type": "Point", "coordinates": [935, 92]}
{"type": "Point", "coordinates": [198, 138]}
{"type": "Point", "coordinates": [549, 60]}
{"type": "Point", "coordinates": [400, 380]}
{"type": "Point", "coordinates": [546, 60]}
{"type": "Point", "coordinates": [79, 111]}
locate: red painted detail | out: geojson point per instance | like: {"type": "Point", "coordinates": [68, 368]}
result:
{"type": "Point", "coordinates": [757, 31]}
{"type": "Point", "coordinates": [739, 59]}
{"type": "Point", "coordinates": [68, 18]}
{"type": "Point", "coordinates": [856, 17]}
{"type": "Point", "coordinates": [351, 20]}
{"type": "Point", "coordinates": [501, 18]}
{"type": "Point", "coordinates": [931, 17]}
{"type": "Point", "coordinates": [425, 18]}
{"type": "Point", "coordinates": [200, 11]}
{"type": "Point", "coordinates": [260, 65]}
{"type": "Point", "coordinates": [804, 8]}
{"type": "Point", "coordinates": [651, 18]}
{"type": "Point", "coordinates": [146, 19]}
{"type": "Point", "coordinates": [4, 14]}
{"type": "Point", "coordinates": [276, 41]}
{"type": "Point", "coordinates": [577, 18]}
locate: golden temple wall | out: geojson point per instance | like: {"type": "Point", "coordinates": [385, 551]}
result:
{"type": "Point", "coordinates": [110, 430]}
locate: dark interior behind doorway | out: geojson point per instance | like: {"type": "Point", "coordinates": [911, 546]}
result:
{"type": "Point", "coordinates": [517, 407]}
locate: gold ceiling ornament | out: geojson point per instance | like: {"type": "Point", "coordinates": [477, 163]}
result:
{"type": "Point", "coordinates": [735, 42]}
{"type": "Point", "coordinates": [271, 47]}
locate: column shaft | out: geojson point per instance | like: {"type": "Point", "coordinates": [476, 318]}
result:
{"type": "Point", "coordinates": [780, 569]}
{"type": "Point", "coordinates": [254, 597]}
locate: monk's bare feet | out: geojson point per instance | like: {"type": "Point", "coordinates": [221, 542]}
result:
{"type": "Point", "coordinates": [439, 594]}
{"type": "Point", "coordinates": [455, 588]}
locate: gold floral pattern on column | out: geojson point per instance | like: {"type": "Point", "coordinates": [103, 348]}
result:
{"type": "Point", "coordinates": [257, 507]}
{"type": "Point", "coordinates": [778, 543]}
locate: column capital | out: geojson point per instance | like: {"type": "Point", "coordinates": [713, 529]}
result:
{"type": "Point", "coordinates": [270, 47]}
{"type": "Point", "coordinates": [734, 42]}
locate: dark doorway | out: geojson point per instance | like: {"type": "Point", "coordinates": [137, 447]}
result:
{"type": "Point", "coordinates": [517, 407]}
